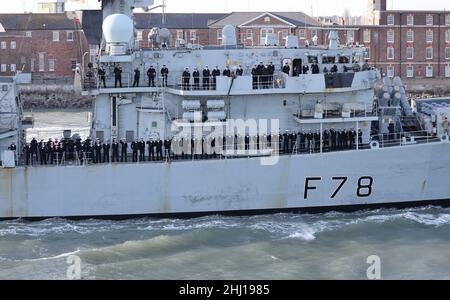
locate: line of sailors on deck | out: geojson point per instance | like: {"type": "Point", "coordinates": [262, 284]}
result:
{"type": "Point", "coordinates": [55, 152]}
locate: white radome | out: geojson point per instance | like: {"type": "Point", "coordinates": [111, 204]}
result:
{"type": "Point", "coordinates": [118, 28]}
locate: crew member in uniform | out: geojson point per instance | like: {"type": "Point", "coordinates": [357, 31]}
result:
{"type": "Point", "coordinates": [151, 150]}
{"type": "Point", "coordinates": [134, 148]}
{"type": "Point", "coordinates": [196, 76]}
{"type": "Point", "coordinates": [227, 72]}
{"type": "Point", "coordinates": [141, 148]}
{"type": "Point", "coordinates": [106, 152]}
{"type": "Point", "coordinates": [117, 76]}
{"type": "Point", "coordinates": [186, 79]}
{"type": "Point", "coordinates": [102, 76]}
{"type": "Point", "coordinates": [239, 71]}
{"type": "Point", "coordinates": [255, 77]}
{"type": "Point", "coordinates": [159, 151]}
{"type": "Point", "coordinates": [286, 69]}
{"type": "Point", "coordinates": [124, 151]}
{"type": "Point", "coordinates": [215, 73]}
{"type": "Point", "coordinates": [151, 73]}
{"type": "Point", "coordinates": [271, 71]}
{"type": "Point", "coordinates": [164, 75]}
{"type": "Point", "coordinates": [43, 152]}
{"type": "Point", "coordinates": [137, 77]}
{"type": "Point", "coordinates": [34, 149]}
{"type": "Point", "coordinates": [115, 151]}
{"type": "Point", "coordinates": [206, 76]}
{"type": "Point", "coordinates": [98, 152]}
{"type": "Point", "coordinates": [26, 154]}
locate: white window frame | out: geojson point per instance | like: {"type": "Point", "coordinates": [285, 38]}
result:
{"type": "Point", "coordinates": [410, 20]}
{"type": "Point", "coordinates": [266, 31]}
{"type": "Point", "coordinates": [429, 36]}
{"type": "Point", "coordinates": [3, 44]}
{"type": "Point", "coordinates": [410, 36]}
{"type": "Point", "coordinates": [32, 62]}
{"type": "Point", "coordinates": [390, 72]}
{"type": "Point", "coordinates": [389, 50]}
{"type": "Point", "coordinates": [410, 71]}
{"type": "Point", "coordinates": [13, 68]}
{"type": "Point", "coordinates": [367, 36]}
{"type": "Point", "coordinates": [302, 34]}
{"type": "Point", "coordinates": [284, 34]}
{"type": "Point", "coordinates": [52, 65]}
{"type": "Point", "coordinates": [367, 53]}
{"type": "Point", "coordinates": [41, 62]}
{"type": "Point", "coordinates": [249, 34]}
{"type": "Point", "coordinates": [219, 34]}
{"type": "Point", "coordinates": [447, 36]}
{"type": "Point", "coordinates": [447, 71]}
{"type": "Point", "coordinates": [390, 37]}
{"type": "Point", "coordinates": [390, 20]}
{"type": "Point", "coordinates": [193, 35]}
{"type": "Point", "coordinates": [447, 20]}
{"type": "Point", "coordinates": [447, 52]}
{"type": "Point", "coordinates": [430, 20]}
{"type": "Point", "coordinates": [3, 68]}
{"type": "Point", "coordinates": [314, 33]}
{"type": "Point", "coordinates": [28, 34]}
{"type": "Point", "coordinates": [407, 52]}
{"type": "Point", "coordinates": [139, 35]}
{"type": "Point", "coordinates": [180, 34]}
{"type": "Point", "coordinates": [72, 34]}
{"type": "Point", "coordinates": [55, 36]}
{"type": "Point", "coordinates": [350, 36]}
{"type": "Point", "coordinates": [429, 50]}
{"type": "Point", "coordinates": [13, 45]}
{"type": "Point", "coordinates": [429, 72]}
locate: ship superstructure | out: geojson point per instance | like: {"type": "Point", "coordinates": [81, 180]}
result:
{"type": "Point", "coordinates": [284, 129]}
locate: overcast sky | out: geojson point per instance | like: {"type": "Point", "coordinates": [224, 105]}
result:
{"type": "Point", "coordinates": [318, 7]}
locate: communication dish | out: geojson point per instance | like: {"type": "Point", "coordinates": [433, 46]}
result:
{"type": "Point", "coordinates": [118, 30]}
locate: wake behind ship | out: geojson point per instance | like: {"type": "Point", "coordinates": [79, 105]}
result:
{"type": "Point", "coordinates": [187, 130]}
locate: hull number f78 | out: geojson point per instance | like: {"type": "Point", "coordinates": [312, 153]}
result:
{"type": "Point", "coordinates": [363, 187]}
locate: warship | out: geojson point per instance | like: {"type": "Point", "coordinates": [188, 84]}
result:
{"type": "Point", "coordinates": [314, 134]}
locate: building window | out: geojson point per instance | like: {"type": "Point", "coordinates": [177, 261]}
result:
{"type": "Point", "coordinates": [429, 36]}
{"type": "Point", "coordinates": [390, 20]}
{"type": "Point", "coordinates": [180, 34]}
{"type": "Point", "coordinates": [13, 67]}
{"type": "Point", "coordinates": [302, 34]}
{"type": "Point", "coordinates": [73, 64]}
{"type": "Point", "coordinates": [447, 20]}
{"type": "Point", "coordinates": [219, 34]}
{"type": "Point", "coordinates": [56, 36]}
{"type": "Point", "coordinates": [410, 20]}
{"type": "Point", "coordinates": [410, 72]}
{"type": "Point", "coordinates": [366, 36]}
{"type": "Point", "coordinates": [313, 33]}
{"type": "Point", "coordinates": [410, 36]}
{"type": "Point", "coordinates": [430, 20]}
{"type": "Point", "coordinates": [264, 33]}
{"type": "Point", "coordinates": [139, 35]}
{"type": "Point", "coordinates": [70, 36]}
{"type": "Point", "coordinates": [429, 53]}
{"type": "Point", "coordinates": [429, 72]}
{"type": "Point", "coordinates": [390, 71]}
{"type": "Point", "coordinates": [193, 35]}
{"type": "Point", "coordinates": [23, 60]}
{"type": "Point", "coordinates": [390, 36]}
{"type": "Point", "coordinates": [410, 53]}
{"type": "Point", "coordinates": [267, 19]}
{"type": "Point", "coordinates": [350, 36]}
{"type": "Point", "coordinates": [51, 65]}
{"type": "Point", "coordinates": [28, 34]}
{"type": "Point", "coordinates": [249, 34]}
{"type": "Point", "coordinates": [284, 34]}
{"type": "Point", "coordinates": [447, 71]}
{"type": "Point", "coordinates": [3, 45]}
{"type": "Point", "coordinates": [5, 87]}
{"type": "Point", "coordinates": [367, 53]}
{"type": "Point", "coordinates": [447, 36]}
{"type": "Point", "coordinates": [390, 53]}
{"type": "Point", "coordinates": [41, 62]}
{"type": "Point", "coordinates": [32, 65]}
{"type": "Point", "coordinates": [3, 68]}
{"type": "Point", "coordinates": [13, 45]}
{"type": "Point", "coordinates": [447, 53]}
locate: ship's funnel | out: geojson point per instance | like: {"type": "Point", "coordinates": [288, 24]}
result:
{"type": "Point", "coordinates": [118, 30]}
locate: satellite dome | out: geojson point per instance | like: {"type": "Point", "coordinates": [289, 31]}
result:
{"type": "Point", "coordinates": [118, 29]}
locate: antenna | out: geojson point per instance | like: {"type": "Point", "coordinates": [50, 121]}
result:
{"type": "Point", "coordinates": [164, 20]}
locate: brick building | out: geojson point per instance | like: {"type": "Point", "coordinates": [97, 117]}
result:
{"type": "Point", "coordinates": [46, 45]}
